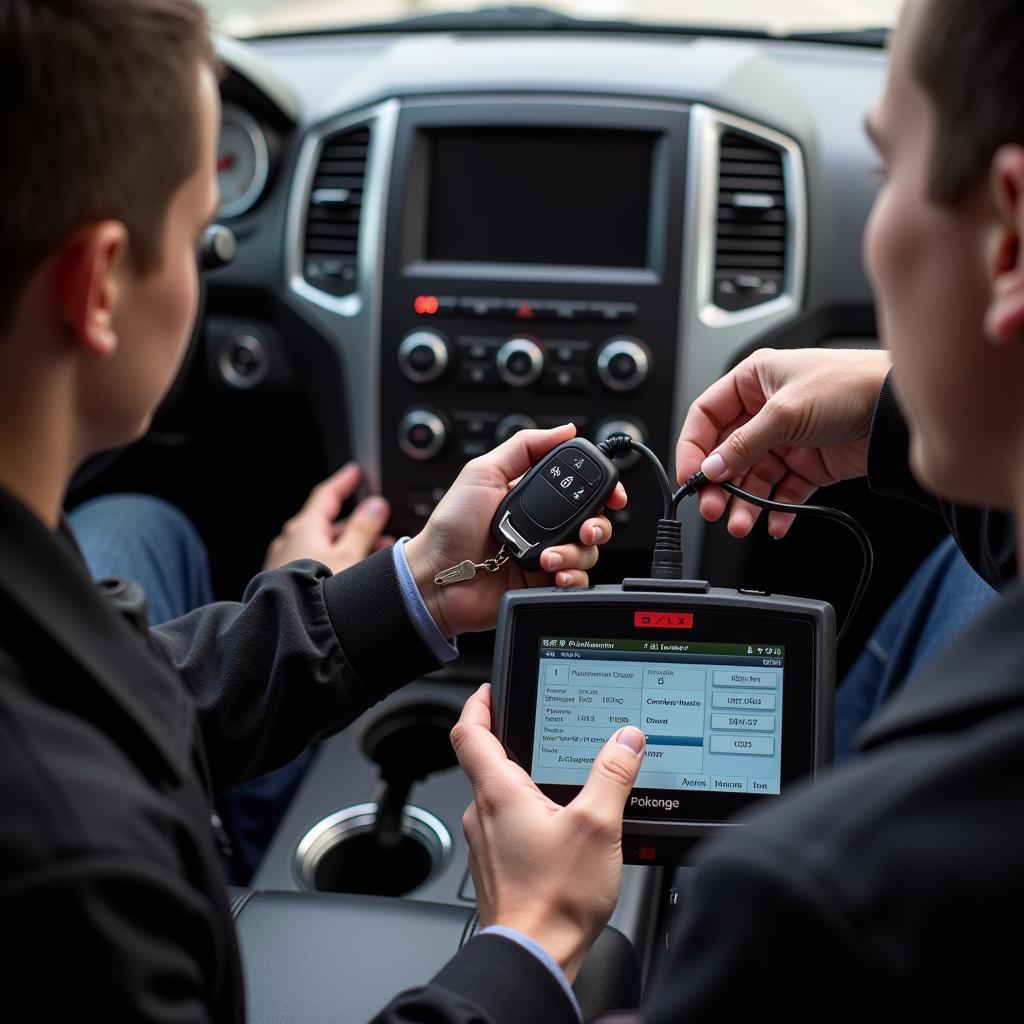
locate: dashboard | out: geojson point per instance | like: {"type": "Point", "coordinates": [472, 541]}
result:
{"type": "Point", "coordinates": [452, 236]}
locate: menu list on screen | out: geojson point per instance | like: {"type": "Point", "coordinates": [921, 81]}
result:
{"type": "Point", "coordinates": [711, 712]}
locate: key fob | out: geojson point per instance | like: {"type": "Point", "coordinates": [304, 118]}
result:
{"type": "Point", "coordinates": [547, 507]}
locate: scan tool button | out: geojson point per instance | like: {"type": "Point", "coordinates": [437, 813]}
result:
{"type": "Point", "coordinates": [543, 503]}
{"type": "Point", "coordinates": [581, 464]}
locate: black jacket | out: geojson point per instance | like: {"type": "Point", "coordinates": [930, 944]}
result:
{"type": "Point", "coordinates": [113, 743]}
{"type": "Point", "coordinates": [891, 890]}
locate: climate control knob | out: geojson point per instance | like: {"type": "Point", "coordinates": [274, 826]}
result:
{"type": "Point", "coordinates": [623, 364]}
{"type": "Point", "coordinates": [607, 428]}
{"type": "Point", "coordinates": [422, 434]}
{"type": "Point", "coordinates": [423, 356]}
{"type": "Point", "coordinates": [512, 424]}
{"type": "Point", "coordinates": [520, 362]}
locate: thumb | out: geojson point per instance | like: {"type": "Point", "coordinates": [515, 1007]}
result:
{"type": "Point", "coordinates": [613, 774]}
{"type": "Point", "coordinates": [748, 444]}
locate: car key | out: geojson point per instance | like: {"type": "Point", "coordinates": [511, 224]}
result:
{"type": "Point", "coordinates": [547, 507]}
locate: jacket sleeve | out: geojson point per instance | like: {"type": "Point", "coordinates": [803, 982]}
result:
{"type": "Point", "coordinates": [491, 980]}
{"type": "Point", "coordinates": [113, 936]}
{"type": "Point", "coordinates": [986, 538]}
{"type": "Point", "coordinates": [758, 942]}
{"type": "Point", "coordinates": [298, 658]}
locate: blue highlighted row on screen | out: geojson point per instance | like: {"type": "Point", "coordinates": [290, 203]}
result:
{"type": "Point", "coordinates": [675, 741]}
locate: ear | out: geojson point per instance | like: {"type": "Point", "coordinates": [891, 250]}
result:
{"type": "Point", "coordinates": [1004, 318]}
{"type": "Point", "coordinates": [86, 284]}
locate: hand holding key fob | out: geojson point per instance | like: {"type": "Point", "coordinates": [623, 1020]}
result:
{"type": "Point", "coordinates": [547, 507]}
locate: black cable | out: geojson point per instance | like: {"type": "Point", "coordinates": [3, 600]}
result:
{"type": "Point", "coordinates": [620, 444]}
{"type": "Point", "coordinates": [698, 480]}
{"type": "Point", "coordinates": [667, 558]}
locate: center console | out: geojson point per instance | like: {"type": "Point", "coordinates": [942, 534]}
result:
{"type": "Point", "coordinates": [531, 278]}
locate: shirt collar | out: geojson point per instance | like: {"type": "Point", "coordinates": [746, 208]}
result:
{"type": "Point", "coordinates": [44, 579]}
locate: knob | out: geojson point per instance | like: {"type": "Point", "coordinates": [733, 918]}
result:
{"type": "Point", "coordinates": [423, 356]}
{"type": "Point", "coordinates": [512, 424]}
{"type": "Point", "coordinates": [606, 428]}
{"type": "Point", "coordinates": [422, 434]}
{"type": "Point", "coordinates": [623, 364]}
{"type": "Point", "coordinates": [243, 359]}
{"type": "Point", "coordinates": [520, 362]}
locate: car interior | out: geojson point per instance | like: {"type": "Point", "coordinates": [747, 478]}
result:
{"type": "Point", "coordinates": [453, 222]}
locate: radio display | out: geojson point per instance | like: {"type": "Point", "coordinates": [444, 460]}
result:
{"type": "Point", "coordinates": [711, 712]}
{"type": "Point", "coordinates": [579, 197]}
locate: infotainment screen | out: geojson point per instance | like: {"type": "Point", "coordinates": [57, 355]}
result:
{"type": "Point", "coordinates": [711, 712]}
{"type": "Point", "coordinates": [540, 196]}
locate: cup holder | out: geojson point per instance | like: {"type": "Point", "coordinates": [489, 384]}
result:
{"type": "Point", "coordinates": [339, 855]}
{"type": "Point", "coordinates": [390, 847]}
{"type": "Point", "coordinates": [412, 740]}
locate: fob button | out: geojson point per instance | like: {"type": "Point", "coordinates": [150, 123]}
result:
{"type": "Point", "coordinates": [546, 506]}
{"type": "Point", "coordinates": [582, 465]}
{"type": "Point", "coordinates": [575, 488]}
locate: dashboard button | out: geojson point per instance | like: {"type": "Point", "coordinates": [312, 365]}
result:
{"type": "Point", "coordinates": [567, 309]}
{"type": "Point", "coordinates": [478, 375]}
{"type": "Point", "coordinates": [567, 378]}
{"type": "Point", "coordinates": [524, 309]}
{"type": "Point", "coordinates": [613, 312]}
{"type": "Point", "coordinates": [482, 307]}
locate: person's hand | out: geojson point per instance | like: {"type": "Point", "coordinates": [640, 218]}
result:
{"type": "Point", "coordinates": [793, 420]}
{"type": "Point", "coordinates": [552, 873]}
{"type": "Point", "coordinates": [460, 528]}
{"type": "Point", "coordinates": [313, 533]}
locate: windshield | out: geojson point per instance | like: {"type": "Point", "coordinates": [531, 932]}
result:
{"type": "Point", "coordinates": [778, 17]}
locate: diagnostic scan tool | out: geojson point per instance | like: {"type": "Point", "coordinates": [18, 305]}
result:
{"type": "Point", "coordinates": [733, 692]}
{"type": "Point", "coordinates": [733, 689]}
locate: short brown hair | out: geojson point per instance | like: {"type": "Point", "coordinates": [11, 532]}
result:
{"type": "Point", "coordinates": [970, 59]}
{"type": "Point", "coordinates": [98, 119]}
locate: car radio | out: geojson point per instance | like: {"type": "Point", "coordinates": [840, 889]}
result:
{"type": "Point", "coordinates": [531, 277]}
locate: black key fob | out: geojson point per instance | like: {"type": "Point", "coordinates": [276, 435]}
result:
{"type": "Point", "coordinates": [548, 506]}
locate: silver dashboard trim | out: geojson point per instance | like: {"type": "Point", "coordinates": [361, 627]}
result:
{"type": "Point", "coordinates": [352, 322]}
{"type": "Point", "coordinates": [710, 338]}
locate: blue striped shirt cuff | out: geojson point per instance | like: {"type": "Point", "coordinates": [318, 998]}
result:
{"type": "Point", "coordinates": [541, 954]}
{"type": "Point", "coordinates": [441, 648]}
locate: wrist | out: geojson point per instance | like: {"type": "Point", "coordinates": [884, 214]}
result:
{"type": "Point", "coordinates": [423, 572]}
{"type": "Point", "coordinates": [566, 944]}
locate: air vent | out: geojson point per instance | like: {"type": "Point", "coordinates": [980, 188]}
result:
{"type": "Point", "coordinates": [335, 205]}
{"type": "Point", "coordinates": [751, 229]}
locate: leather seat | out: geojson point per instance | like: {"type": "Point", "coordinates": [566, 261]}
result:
{"type": "Point", "coordinates": [312, 957]}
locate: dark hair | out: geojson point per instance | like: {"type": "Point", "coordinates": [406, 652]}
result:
{"type": "Point", "coordinates": [969, 57]}
{"type": "Point", "coordinates": [98, 119]}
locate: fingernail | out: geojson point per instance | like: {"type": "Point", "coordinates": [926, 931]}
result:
{"type": "Point", "coordinates": [598, 535]}
{"type": "Point", "coordinates": [375, 508]}
{"type": "Point", "coordinates": [564, 579]}
{"type": "Point", "coordinates": [554, 561]}
{"type": "Point", "coordinates": [631, 738]}
{"type": "Point", "coordinates": [713, 466]}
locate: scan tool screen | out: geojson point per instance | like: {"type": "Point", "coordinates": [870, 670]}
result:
{"type": "Point", "coordinates": [712, 712]}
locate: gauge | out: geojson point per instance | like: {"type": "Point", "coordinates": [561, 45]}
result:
{"type": "Point", "coordinates": [242, 162]}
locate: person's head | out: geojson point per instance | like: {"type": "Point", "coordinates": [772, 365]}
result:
{"type": "Point", "coordinates": [943, 243]}
{"type": "Point", "coordinates": [109, 128]}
